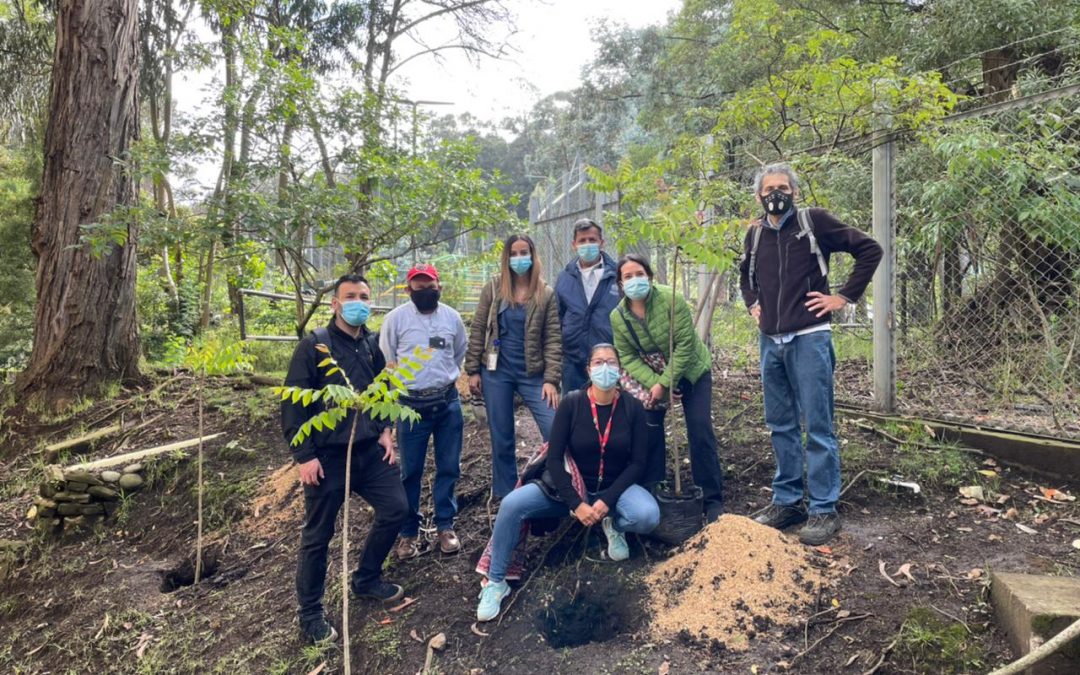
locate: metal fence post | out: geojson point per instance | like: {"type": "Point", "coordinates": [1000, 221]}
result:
{"type": "Point", "coordinates": [884, 218]}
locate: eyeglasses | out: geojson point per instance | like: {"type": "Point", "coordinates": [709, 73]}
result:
{"type": "Point", "coordinates": [596, 363]}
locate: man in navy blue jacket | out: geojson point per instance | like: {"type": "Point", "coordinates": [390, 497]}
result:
{"type": "Point", "coordinates": [587, 293]}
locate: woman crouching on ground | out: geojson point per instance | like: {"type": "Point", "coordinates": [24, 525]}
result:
{"type": "Point", "coordinates": [602, 429]}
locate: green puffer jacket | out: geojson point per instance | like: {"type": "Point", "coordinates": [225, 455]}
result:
{"type": "Point", "coordinates": [691, 355]}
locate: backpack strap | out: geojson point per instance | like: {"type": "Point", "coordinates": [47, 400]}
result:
{"type": "Point", "coordinates": [753, 255]}
{"type": "Point", "coordinates": [806, 229]}
{"type": "Point", "coordinates": [370, 342]}
{"type": "Point", "coordinates": [322, 336]}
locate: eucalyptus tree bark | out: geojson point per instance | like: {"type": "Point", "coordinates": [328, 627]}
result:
{"type": "Point", "coordinates": [85, 333]}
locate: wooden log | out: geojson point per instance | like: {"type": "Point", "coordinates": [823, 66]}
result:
{"type": "Point", "coordinates": [85, 439]}
{"type": "Point", "coordinates": [130, 457]}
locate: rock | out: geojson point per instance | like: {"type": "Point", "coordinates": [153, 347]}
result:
{"type": "Point", "coordinates": [54, 474]}
{"type": "Point", "coordinates": [43, 503]}
{"type": "Point", "coordinates": [47, 490]}
{"type": "Point", "coordinates": [75, 486]}
{"type": "Point", "coordinates": [92, 509]}
{"type": "Point", "coordinates": [81, 476]}
{"type": "Point", "coordinates": [77, 497]}
{"type": "Point", "coordinates": [102, 492]}
{"type": "Point", "coordinates": [74, 523]}
{"type": "Point", "coordinates": [45, 514]}
{"type": "Point", "coordinates": [133, 468]}
{"type": "Point", "coordinates": [110, 476]}
{"type": "Point", "coordinates": [130, 481]}
{"type": "Point", "coordinates": [69, 509]}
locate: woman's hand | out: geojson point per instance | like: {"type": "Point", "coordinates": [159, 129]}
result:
{"type": "Point", "coordinates": [586, 514]}
{"type": "Point", "coordinates": [600, 509]}
{"type": "Point", "coordinates": [657, 392]}
{"type": "Point", "coordinates": [550, 394]}
{"type": "Point", "coordinates": [474, 384]}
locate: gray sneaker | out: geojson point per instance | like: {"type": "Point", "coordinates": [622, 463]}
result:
{"type": "Point", "coordinates": [780, 517]}
{"type": "Point", "coordinates": [820, 529]}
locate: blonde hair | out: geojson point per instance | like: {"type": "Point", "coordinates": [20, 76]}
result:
{"type": "Point", "coordinates": [506, 282]}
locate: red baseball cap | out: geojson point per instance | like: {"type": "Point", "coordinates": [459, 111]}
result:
{"type": "Point", "coordinates": [422, 270]}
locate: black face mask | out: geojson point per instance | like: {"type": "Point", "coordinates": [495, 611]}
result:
{"type": "Point", "coordinates": [776, 203]}
{"type": "Point", "coordinates": [425, 299]}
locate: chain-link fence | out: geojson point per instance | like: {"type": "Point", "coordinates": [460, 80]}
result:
{"type": "Point", "coordinates": [554, 209]}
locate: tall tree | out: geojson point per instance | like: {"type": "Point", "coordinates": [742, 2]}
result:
{"type": "Point", "coordinates": [85, 334]}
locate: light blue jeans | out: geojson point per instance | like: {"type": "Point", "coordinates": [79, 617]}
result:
{"type": "Point", "coordinates": [797, 377]}
{"type": "Point", "coordinates": [636, 511]}
{"type": "Point", "coordinates": [499, 387]}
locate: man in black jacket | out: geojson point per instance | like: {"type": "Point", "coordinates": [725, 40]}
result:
{"type": "Point", "coordinates": [321, 459]}
{"type": "Point", "coordinates": [784, 281]}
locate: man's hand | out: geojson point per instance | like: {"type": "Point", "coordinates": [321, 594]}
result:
{"type": "Point", "coordinates": [586, 514]}
{"type": "Point", "coordinates": [823, 304]}
{"type": "Point", "coordinates": [474, 384]}
{"type": "Point", "coordinates": [755, 312]}
{"type": "Point", "coordinates": [550, 394]}
{"type": "Point", "coordinates": [311, 471]}
{"type": "Point", "coordinates": [600, 509]}
{"type": "Point", "coordinates": [387, 441]}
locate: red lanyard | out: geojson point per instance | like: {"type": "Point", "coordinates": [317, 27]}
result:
{"type": "Point", "coordinates": [603, 437]}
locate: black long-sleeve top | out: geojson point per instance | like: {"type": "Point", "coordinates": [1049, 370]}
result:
{"type": "Point", "coordinates": [361, 358]}
{"type": "Point", "coordinates": [573, 432]}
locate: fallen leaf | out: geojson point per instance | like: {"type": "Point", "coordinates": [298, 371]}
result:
{"type": "Point", "coordinates": [321, 667]}
{"type": "Point", "coordinates": [988, 473]}
{"type": "Point", "coordinates": [1011, 513]}
{"type": "Point", "coordinates": [1003, 499]}
{"type": "Point", "coordinates": [386, 622]}
{"type": "Point", "coordinates": [836, 602]}
{"type": "Point", "coordinates": [987, 511]}
{"type": "Point", "coordinates": [664, 668]}
{"type": "Point", "coordinates": [989, 462]}
{"type": "Point", "coordinates": [952, 514]}
{"type": "Point", "coordinates": [414, 635]}
{"type": "Point", "coordinates": [824, 550]}
{"type": "Point", "coordinates": [843, 614]}
{"type": "Point", "coordinates": [881, 568]}
{"type": "Point", "coordinates": [969, 502]}
{"type": "Point", "coordinates": [477, 631]}
{"type": "Point", "coordinates": [974, 573]}
{"type": "Point", "coordinates": [963, 529]}
{"type": "Point", "coordinates": [144, 642]}
{"type": "Point", "coordinates": [403, 605]}
{"type": "Point", "coordinates": [754, 669]}
{"type": "Point", "coordinates": [993, 537]}
{"type": "Point", "coordinates": [852, 659]}
{"type": "Point", "coordinates": [1025, 529]}
{"type": "Point", "coordinates": [973, 492]}
{"type": "Point", "coordinates": [1042, 518]}
{"type": "Point", "coordinates": [905, 570]}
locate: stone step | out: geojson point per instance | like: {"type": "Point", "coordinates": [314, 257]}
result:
{"type": "Point", "coordinates": [1033, 608]}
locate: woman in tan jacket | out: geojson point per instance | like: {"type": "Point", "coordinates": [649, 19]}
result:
{"type": "Point", "coordinates": [515, 345]}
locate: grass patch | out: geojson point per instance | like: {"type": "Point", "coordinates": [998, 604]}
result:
{"type": "Point", "coordinates": [940, 465]}
{"type": "Point", "coordinates": [933, 645]}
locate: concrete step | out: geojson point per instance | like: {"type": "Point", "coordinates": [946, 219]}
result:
{"type": "Point", "coordinates": [1033, 608]}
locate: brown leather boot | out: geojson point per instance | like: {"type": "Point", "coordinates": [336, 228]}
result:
{"type": "Point", "coordinates": [448, 542]}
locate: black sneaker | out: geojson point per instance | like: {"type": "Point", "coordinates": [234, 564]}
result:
{"type": "Point", "coordinates": [780, 517]}
{"type": "Point", "coordinates": [713, 512]}
{"type": "Point", "coordinates": [821, 528]}
{"type": "Point", "coordinates": [317, 631]}
{"type": "Point", "coordinates": [379, 590]}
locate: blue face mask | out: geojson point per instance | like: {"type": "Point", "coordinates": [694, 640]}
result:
{"type": "Point", "coordinates": [588, 252]}
{"type": "Point", "coordinates": [521, 264]}
{"type": "Point", "coordinates": [355, 312]}
{"type": "Point", "coordinates": [637, 288]}
{"type": "Point", "coordinates": [605, 376]}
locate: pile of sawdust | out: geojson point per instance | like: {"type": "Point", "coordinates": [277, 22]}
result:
{"type": "Point", "coordinates": [730, 582]}
{"type": "Point", "coordinates": [279, 505]}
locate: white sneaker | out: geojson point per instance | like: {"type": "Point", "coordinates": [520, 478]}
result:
{"type": "Point", "coordinates": [617, 548]}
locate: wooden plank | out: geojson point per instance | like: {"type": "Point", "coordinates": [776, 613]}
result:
{"type": "Point", "coordinates": [85, 439]}
{"type": "Point", "coordinates": [1057, 457]}
{"type": "Point", "coordinates": [137, 455]}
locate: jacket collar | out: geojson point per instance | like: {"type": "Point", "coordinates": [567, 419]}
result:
{"type": "Point", "coordinates": [335, 330]}
{"type": "Point", "coordinates": [573, 269]}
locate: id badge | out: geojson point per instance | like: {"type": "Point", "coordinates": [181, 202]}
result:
{"type": "Point", "coordinates": [492, 360]}
{"type": "Point", "coordinates": [435, 342]}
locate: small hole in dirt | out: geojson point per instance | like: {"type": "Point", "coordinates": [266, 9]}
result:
{"type": "Point", "coordinates": [595, 615]}
{"type": "Point", "coordinates": [184, 574]}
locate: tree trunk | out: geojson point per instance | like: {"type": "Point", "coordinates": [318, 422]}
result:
{"type": "Point", "coordinates": [85, 333]}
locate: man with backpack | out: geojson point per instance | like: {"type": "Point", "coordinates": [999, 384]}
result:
{"type": "Point", "coordinates": [321, 458]}
{"type": "Point", "coordinates": [784, 282]}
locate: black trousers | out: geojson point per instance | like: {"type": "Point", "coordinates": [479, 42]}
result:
{"type": "Point", "coordinates": [704, 449]}
{"type": "Point", "coordinates": [376, 482]}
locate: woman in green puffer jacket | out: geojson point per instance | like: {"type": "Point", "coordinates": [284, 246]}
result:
{"type": "Point", "coordinates": [641, 323]}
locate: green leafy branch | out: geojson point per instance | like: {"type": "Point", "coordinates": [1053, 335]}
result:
{"type": "Point", "coordinates": [379, 399]}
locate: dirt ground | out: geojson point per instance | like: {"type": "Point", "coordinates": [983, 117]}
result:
{"type": "Point", "coordinates": [119, 599]}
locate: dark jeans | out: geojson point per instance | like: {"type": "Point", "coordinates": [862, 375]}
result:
{"type": "Point", "coordinates": [704, 450]}
{"type": "Point", "coordinates": [376, 482]}
{"type": "Point", "coordinates": [443, 421]}
{"type": "Point", "coordinates": [499, 387]}
{"type": "Point", "coordinates": [574, 376]}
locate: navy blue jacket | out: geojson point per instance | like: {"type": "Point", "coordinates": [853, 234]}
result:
{"type": "Point", "coordinates": [585, 324]}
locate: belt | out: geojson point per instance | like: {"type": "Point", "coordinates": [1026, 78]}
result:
{"type": "Point", "coordinates": [430, 392]}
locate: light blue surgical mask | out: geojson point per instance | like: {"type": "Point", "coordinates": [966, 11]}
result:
{"type": "Point", "coordinates": [355, 312]}
{"type": "Point", "coordinates": [521, 264]}
{"type": "Point", "coordinates": [605, 376]}
{"type": "Point", "coordinates": [588, 252]}
{"type": "Point", "coordinates": [637, 288]}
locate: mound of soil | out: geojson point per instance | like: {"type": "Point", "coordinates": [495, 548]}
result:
{"type": "Point", "coordinates": [730, 582]}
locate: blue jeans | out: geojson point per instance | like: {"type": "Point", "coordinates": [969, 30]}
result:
{"type": "Point", "coordinates": [498, 389]}
{"type": "Point", "coordinates": [574, 376]}
{"type": "Point", "coordinates": [445, 423]}
{"type": "Point", "coordinates": [798, 381]}
{"type": "Point", "coordinates": [636, 511]}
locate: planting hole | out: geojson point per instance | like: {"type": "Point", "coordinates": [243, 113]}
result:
{"type": "Point", "coordinates": [184, 574]}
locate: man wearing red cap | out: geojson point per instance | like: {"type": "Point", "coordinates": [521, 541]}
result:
{"type": "Point", "coordinates": [429, 324]}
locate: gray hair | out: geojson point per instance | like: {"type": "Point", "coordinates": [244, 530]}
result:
{"type": "Point", "coordinates": [777, 167]}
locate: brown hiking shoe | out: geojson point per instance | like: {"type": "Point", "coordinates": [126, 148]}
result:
{"type": "Point", "coordinates": [406, 548]}
{"type": "Point", "coordinates": [448, 542]}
